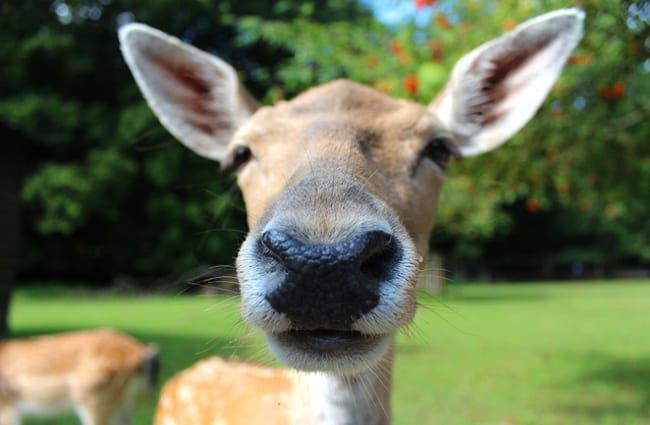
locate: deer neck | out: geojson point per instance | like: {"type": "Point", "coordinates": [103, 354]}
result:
{"type": "Point", "coordinates": [330, 399]}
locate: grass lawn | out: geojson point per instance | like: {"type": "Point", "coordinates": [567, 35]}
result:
{"type": "Point", "coordinates": [544, 354]}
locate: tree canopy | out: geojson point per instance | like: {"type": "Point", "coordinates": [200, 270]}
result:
{"type": "Point", "coordinates": [114, 193]}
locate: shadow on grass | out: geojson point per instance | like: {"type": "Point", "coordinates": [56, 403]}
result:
{"type": "Point", "coordinates": [620, 390]}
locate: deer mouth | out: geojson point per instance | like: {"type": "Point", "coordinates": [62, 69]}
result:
{"type": "Point", "coordinates": [326, 341]}
{"type": "Point", "coordinates": [343, 352]}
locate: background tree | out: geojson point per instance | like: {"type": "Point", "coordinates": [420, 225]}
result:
{"type": "Point", "coordinates": [114, 194]}
{"type": "Point", "coordinates": [568, 189]}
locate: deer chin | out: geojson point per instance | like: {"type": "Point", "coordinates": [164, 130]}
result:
{"type": "Point", "coordinates": [323, 350]}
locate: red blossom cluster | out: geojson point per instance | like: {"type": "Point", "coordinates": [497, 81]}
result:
{"type": "Point", "coordinates": [411, 85]}
{"type": "Point", "coordinates": [436, 51]}
{"type": "Point", "coordinates": [532, 206]}
{"type": "Point", "coordinates": [613, 92]}
{"type": "Point", "coordinates": [583, 59]}
{"type": "Point", "coordinates": [419, 4]}
{"type": "Point", "coordinates": [443, 22]}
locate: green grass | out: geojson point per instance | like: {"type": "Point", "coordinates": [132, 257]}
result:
{"type": "Point", "coordinates": [545, 354]}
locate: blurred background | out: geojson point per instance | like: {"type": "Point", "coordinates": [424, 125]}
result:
{"type": "Point", "coordinates": [105, 219]}
{"type": "Point", "coordinates": [106, 195]}
{"type": "Point", "coordinates": [95, 195]}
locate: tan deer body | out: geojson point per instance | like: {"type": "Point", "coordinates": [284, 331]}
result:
{"type": "Point", "coordinates": [95, 374]}
{"type": "Point", "coordinates": [192, 398]}
{"type": "Point", "coordinates": [340, 186]}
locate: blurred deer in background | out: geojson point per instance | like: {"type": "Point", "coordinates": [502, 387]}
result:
{"type": "Point", "coordinates": [96, 374]}
{"type": "Point", "coordinates": [340, 186]}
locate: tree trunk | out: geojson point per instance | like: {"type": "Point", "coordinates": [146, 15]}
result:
{"type": "Point", "coordinates": [13, 163]}
{"type": "Point", "coordinates": [5, 295]}
{"type": "Point", "coordinates": [9, 207]}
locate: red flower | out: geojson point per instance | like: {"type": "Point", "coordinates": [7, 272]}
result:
{"type": "Point", "coordinates": [395, 46]}
{"type": "Point", "coordinates": [411, 84]}
{"type": "Point", "coordinates": [584, 59]}
{"type": "Point", "coordinates": [613, 92]}
{"type": "Point", "coordinates": [419, 4]}
{"type": "Point", "coordinates": [436, 51]}
{"type": "Point", "coordinates": [532, 206]}
{"type": "Point", "coordinates": [443, 21]}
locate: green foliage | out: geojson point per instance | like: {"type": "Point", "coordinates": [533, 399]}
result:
{"type": "Point", "coordinates": [112, 191]}
{"type": "Point", "coordinates": [584, 155]}
{"type": "Point", "coordinates": [110, 174]}
{"type": "Point", "coordinates": [586, 151]}
{"type": "Point", "coordinates": [69, 194]}
{"type": "Point", "coordinates": [324, 53]}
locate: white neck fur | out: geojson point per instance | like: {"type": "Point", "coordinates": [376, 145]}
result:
{"type": "Point", "coordinates": [329, 399]}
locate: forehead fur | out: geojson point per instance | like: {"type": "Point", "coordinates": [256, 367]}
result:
{"type": "Point", "coordinates": [339, 109]}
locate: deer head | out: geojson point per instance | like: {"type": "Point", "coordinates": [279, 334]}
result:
{"type": "Point", "coordinates": [341, 182]}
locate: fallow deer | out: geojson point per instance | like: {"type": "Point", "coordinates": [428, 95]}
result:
{"type": "Point", "coordinates": [340, 186]}
{"type": "Point", "coordinates": [96, 374]}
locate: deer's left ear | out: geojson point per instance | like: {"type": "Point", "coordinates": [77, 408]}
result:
{"type": "Point", "coordinates": [494, 90]}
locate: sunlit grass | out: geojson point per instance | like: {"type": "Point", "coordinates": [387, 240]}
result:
{"type": "Point", "coordinates": [545, 354]}
{"type": "Point", "coordinates": [528, 354]}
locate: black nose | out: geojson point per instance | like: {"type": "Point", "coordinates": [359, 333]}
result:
{"type": "Point", "coordinates": [329, 286]}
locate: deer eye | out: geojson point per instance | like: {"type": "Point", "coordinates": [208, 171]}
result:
{"type": "Point", "coordinates": [440, 150]}
{"type": "Point", "coordinates": [240, 156]}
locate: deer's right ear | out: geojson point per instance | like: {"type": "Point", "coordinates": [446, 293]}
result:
{"type": "Point", "coordinates": [196, 96]}
{"type": "Point", "coordinates": [496, 88]}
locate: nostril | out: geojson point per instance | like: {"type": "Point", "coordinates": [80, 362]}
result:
{"type": "Point", "coordinates": [375, 242]}
{"type": "Point", "coordinates": [275, 244]}
{"type": "Point", "coordinates": [379, 256]}
{"type": "Point", "coordinates": [266, 241]}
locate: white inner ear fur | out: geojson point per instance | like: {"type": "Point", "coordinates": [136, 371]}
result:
{"type": "Point", "coordinates": [496, 89]}
{"type": "Point", "coordinates": [195, 95]}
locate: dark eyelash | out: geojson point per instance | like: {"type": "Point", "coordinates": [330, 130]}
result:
{"type": "Point", "coordinates": [239, 157]}
{"type": "Point", "coordinates": [439, 150]}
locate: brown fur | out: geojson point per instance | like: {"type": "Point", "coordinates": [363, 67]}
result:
{"type": "Point", "coordinates": [90, 370]}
